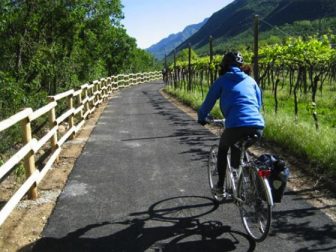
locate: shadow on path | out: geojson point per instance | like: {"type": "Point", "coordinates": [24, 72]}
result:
{"type": "Point", "coordinates": [198, 140]}
{"type": "Point", "coordinates": [163, 227]}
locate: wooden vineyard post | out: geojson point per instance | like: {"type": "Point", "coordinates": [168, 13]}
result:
{"type": "Point", "coordinates": [189, 67]}
{"type": "Point", "coordinates": [175, 77]}
{"type": "Point", "coordinates": [256, 49]}
{"type": "Point", "coordinates": [211, 60]}
{"type": "Point", "coordinates": [165, 77]}
{"type": "Point", "coordinates": [29, 160]}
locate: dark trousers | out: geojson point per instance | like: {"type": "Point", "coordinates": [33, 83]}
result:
{"type": "Point", "coordinates": [227, 140]}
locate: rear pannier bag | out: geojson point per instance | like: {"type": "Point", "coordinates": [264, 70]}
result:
{"type": "Point", "coordinates": [279, 175]}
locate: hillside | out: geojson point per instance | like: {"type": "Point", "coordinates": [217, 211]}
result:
{"type": "Point", "coordinates": [289, 11]}
{"type": "Point", "coordinates": [168, 44]}
{"type": "Point", "coordinates": [237, 18]}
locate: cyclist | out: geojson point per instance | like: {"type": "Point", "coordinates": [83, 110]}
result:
{"type": "Point", "coordinates": [240, 104]}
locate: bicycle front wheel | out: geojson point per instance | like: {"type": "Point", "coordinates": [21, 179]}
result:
{"type": "Point", "coordinates": [213, 171]}
{"type": "Point", "coordinates": [255, 211]}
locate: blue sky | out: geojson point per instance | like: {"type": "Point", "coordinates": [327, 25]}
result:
{"type": "Point", "coordinates": [149, 21]}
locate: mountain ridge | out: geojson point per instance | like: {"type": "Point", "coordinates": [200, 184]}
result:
{"type": "Point", "coordinates": [166, 45]}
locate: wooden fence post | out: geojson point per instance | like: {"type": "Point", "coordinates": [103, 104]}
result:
{"type": "Point", "coordinates": [105, 91]}
{"type": "Point", "coordinates": [87, 105]}
{"type": "Point", "coordinates": [71, 117]}
{"type": "Point", "coordinates": [96, 90]}
{"type": "Point", "coordinates": [80, 103]}
{"type": "Point", "coordinates": [52, 124]}
{"type": "Point", "coordinates": [109, 86]}
{"type": "Point", "coordinates": [29, 160]}
{"type": "Point", "coordinates": [129, 80]}
{"type": "Point", "coordinates": [100, 86]}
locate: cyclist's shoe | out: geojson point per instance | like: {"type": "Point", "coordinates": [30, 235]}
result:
{"type": "Point", "coordinates": [218, 192]}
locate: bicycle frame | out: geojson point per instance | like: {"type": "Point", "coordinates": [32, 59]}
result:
{"type": "Point", "coordinates": [233, 182]}
{"type": "Point", "coordinates": [269, 193]}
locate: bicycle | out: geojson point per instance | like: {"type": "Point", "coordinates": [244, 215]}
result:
{"type": "Point", "coordinates": [247, 186]}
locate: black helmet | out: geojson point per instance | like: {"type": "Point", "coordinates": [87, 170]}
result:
{"type": "Point", "coordinates": [232, 58]}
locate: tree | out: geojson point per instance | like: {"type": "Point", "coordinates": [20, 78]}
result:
{"type": "Point", "coordinates": [50, 46]}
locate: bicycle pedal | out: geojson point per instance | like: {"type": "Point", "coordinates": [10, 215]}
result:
{"type": "Point", "coordinates": [238, 201]}
{"type": "Point", "coordinates": [228, 196]}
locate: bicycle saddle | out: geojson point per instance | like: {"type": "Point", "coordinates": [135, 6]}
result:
{"type": "Point", "coordinates": [247, 141]}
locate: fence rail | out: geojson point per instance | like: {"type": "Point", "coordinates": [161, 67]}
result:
{"type": "Point", "coordinates": [79, 105]}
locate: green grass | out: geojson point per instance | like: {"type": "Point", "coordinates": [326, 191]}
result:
{"type": "Point", "coordinates": [325, 106]}
{"type": "Point", "coordinates": [299, 138]}
{"type": "Point", "coordinates": [303, 140]}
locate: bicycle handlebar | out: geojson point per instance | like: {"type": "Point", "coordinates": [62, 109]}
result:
{"type": "Point", "coordinates": [216, 122]}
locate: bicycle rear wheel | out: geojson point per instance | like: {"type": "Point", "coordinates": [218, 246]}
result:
{"type": "Point", "coordinates": [255, 211]}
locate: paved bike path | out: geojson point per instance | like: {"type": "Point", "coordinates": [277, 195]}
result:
{"type": "Point", "coordinates": [140, 184]}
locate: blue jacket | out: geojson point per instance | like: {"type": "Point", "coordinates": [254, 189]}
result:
{"type": "Point", "coordinates": [240, 100]}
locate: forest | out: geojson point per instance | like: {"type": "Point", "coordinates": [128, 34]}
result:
{"type": "Point", "coordinates": [47, 47]}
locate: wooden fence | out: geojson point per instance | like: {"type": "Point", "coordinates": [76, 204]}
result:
{"type": "Point", "coordinates": [79, 105]}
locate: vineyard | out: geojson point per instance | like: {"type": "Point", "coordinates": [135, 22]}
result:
{"type": "Point", "coordinates": [298, 80]}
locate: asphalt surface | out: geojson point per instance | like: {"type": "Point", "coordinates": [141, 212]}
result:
{"type": "Point", "coordinates": [141, 185]}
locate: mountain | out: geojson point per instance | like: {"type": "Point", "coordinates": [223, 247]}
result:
{"type": "Point", "coordinates": [296, 10]}
{"type": "Point", "coordinates": [237, 18]}
{"type": "Point", "coordinates": [168, 44]}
